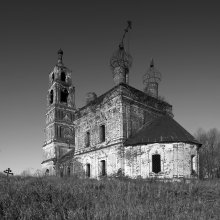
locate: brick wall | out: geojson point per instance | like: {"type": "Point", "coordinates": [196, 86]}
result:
{"type": "Point", "coordinates": [176, 160]}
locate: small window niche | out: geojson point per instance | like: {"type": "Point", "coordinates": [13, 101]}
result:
{"type": "Point", "coordinates": [52, 77]}
{"type": "Point", "coordinates": [193, 164]}
{"type": "Point", "coordinates": [61, 173]}
{"type": "Point", "coordinates": [64, 95]}
{"type": "Point", "coordinates": [60, 132]}
{"type": "Point", "coordinates": [103, 168]}
{"type": "Point", "coordinates": [68, 171]}
{"type": "Point", "coordinates": [47, 172]}
{"type": "Point", "coordinates": [88, 170]}
{"type": "Point", "coordinates": [156, 163]}
{"type": "Point", "coordinates": [63, 76]}
{"type": "Point", "coordinates": [102, 133]}
{"type": "Point", "coordinates": [87, 139]}
{"type": "Point", "coordinates": [51, 97]}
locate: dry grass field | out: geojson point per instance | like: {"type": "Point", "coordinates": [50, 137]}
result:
{"type": "Point", "coordinates": [73, 198]}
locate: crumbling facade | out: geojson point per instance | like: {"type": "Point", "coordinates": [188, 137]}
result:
{"type": "Point", "coordinates": [125, 130]}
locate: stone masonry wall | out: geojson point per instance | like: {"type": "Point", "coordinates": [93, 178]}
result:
{"type": "Point", "coordinates": [135, 115]}
{"type": "Point", "coordinates": [108, 114]}
{"type": "Point", "coordinates": [176, 160]}
{"type": "Point", "coordinates": [123, 115]}
{"type": "Point", "coordinates": [93, 158]}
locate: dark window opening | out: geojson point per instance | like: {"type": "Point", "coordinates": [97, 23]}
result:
{"type": "Point", "coordinates": [47, 172]}
{"type": "Point", "coordinates": [87, 139]}
{"type": "Point", "coordinates": [68, 171]}
{"type": "Point", "coordinates": [156, 163]}
{"type": "Point", "coordinates": [103, 168]}
{"type": "Point", "coordinates": [63, 76]}
{"type": "Point", "coordinates": [102, 133]}
{"type": "Point", "coordinates": [60, 131]}
{"type": "Point", "coordinates": [61, 173]}
{"type": "Point", "coordinates": [51, 96]}
{"type": "Point", "coordinates": [52, 76]}
{"type": "Point", "coordinates": [88, 170]}
{"type": "Point", "coordinates": [63, 95]}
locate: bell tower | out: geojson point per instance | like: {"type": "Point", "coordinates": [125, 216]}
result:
{"type": "Point", "coordinates": [59, 131]}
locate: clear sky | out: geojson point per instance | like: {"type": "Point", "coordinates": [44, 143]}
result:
{"type": "Point", "coordinates": [183, 37]}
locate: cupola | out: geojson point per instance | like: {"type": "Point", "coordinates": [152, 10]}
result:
{"type": "Point", "coordinates": [121, 61]}
{"type": "Point", "coordinates": [151, 80]}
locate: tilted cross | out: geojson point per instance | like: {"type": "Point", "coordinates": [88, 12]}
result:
{"type": "Point", "coordinates": [8, 172]}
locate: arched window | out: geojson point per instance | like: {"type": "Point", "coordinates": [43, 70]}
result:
{"type": "Point", "coordinates": [51, 96]}
{"type": "Point", "coordinates": [87, 139]}
{"type": "Point", "coordinates": [156, 163]}
{"type": "Point", "coordinates": [63, 76]}
{"type": "Point", "coordinates": [52, 77]}
{"type": "Point", "coordinates": [63, 95]}
{"type": "Point", "coordinates": [88, 170]}
{"type": "Point", "coordinates": [47, 172]}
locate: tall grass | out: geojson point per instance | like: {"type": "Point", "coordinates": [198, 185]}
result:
{"type": "Point", "coordinates": [72, 198]}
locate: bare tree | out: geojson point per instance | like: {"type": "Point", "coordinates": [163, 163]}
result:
{"type": "Point", "coordinates": [209, 154]}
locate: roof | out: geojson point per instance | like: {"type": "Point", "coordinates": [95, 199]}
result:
{"type": "Point", "coordinates": [98, 100]}
{"type": "Point", "coordinates": [161, 130]}
{"type": "Point", "coordinates": [142, 97]}
{"type": "Point", "coordinates": [48, 160]}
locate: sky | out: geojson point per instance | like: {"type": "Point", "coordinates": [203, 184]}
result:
{"type": "Point", "coordinates": [183, 37]}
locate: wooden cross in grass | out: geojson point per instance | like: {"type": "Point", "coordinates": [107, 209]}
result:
{"type": "Point", "coordinates": [8, 172]}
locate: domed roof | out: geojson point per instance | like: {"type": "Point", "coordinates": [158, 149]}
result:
{"type": "Point", "coordinates": [121, 58]}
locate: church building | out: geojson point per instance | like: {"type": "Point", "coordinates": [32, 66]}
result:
{"type": "Point", "coordinates": [123, 131]}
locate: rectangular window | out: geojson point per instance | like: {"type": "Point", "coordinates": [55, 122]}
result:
{"type": "Point", "coordinates": [68, 171]}
{"type": "Point", "coordinates": [87, 140]}
{"type": "Point", "coordinates": [60, 130]}
{"type": "Point", "coordinates": [102, 133]}
{"type": "Point", "coordinates": [64, 95]}
{"type": "Point", "coordinates": [103, 168]}
{"type": "Point", "coordinates": [88, 170]}
{"type": "Point", "coordinates": [156, 163]}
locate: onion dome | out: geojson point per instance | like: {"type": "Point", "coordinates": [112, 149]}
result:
{"type": "Point", "coordinates": [121, 58]}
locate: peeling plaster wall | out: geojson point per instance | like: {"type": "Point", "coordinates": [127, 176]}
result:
{"type": "Point", "coordinates": [136, 161]}
{"type": "Point", "coordinates": [59, 126]}
{"type": "Point", "coordinates": [94, 158]}
{"type": "Point", "coordinates": [49, 152]}
{"type": "Point", "coordinates": [50, 166]}
{"type": "Point", "coordinates": [122, 118]}
{"type": "Point", "coordinates": [55, 150]}
{"type": "Point", "coordinates": [123, 114]}
{"type": "Point", "coordinates": [108, 114]}
{"type": "Point", "coordinates": [135, 115]}
{"type": "Point", "coordinates": [176, 160]}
